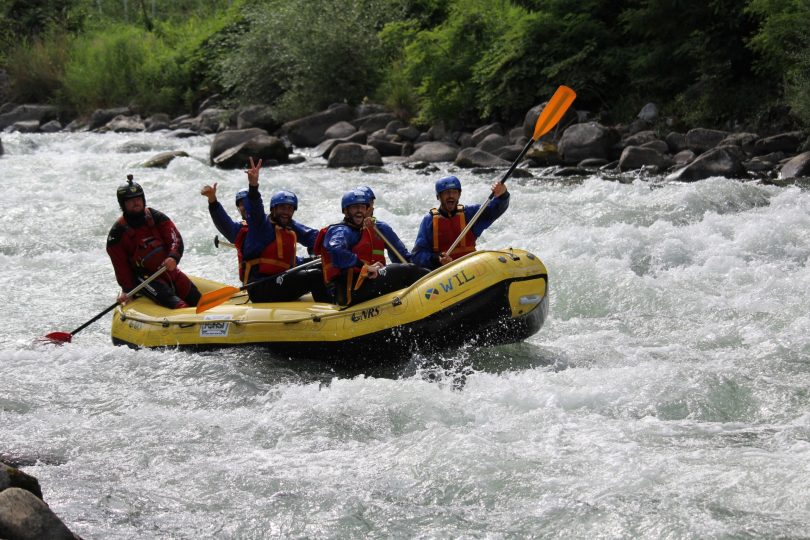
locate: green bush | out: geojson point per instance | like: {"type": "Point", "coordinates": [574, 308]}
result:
{"type": "Point", "coordinates": [36, 68]}
{"type": "Point", "coordinates": [303, 55]}
{"type": "Point", "coordinates": [124, 65]}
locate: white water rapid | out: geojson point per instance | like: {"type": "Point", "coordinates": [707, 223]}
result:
{"type": "Point", "coordinates": [667, 395]}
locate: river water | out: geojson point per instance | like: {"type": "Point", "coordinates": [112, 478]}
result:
{"type": "Point", "coordinates": [666, 396]}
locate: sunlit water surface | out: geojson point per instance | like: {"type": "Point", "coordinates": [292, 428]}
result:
{"type": "Point", "coordinates": [666, 396]}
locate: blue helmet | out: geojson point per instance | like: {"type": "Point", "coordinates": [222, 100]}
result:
{"type": "Point", "coordinates": [368, 192]}
{"type": "Point", "coordinates": [284, 197]}
{"type": "Point", "coordinates": [355, 196]}
{"type": "Point", "coordinates": [447, 182]}
{"type": "Point", "coordinates": [241, 195]}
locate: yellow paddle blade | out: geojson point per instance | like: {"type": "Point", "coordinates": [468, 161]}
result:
{"type": "Point", "coordinates": [214, 298]}
{"type": "Point", "coordinates": [553, 111]}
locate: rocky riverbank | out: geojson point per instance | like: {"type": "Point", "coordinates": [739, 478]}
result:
{"type": "Point", "coordinates": [24, 515]}
{"type": "Point", "coordinates": [365, 135]}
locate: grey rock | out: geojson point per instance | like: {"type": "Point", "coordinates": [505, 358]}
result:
{"type": "Point", "coordinates": [25, 126]}
{"type": "Point", "coordinates": [1, 147]}
{"type": "Point", "coordinates": [684, 157]}
{"type": "Point", "coordinates": [259, 116]}
{"type": "Point", "coordinates": [515, 135]}
{"type": "Point", "coordinates": [53, 126]}
{"type": "Point", "coordinates": [484, 131]}
{"type": "Point", "coordinates": [386, 147]}
{"type": "Point", "coordinates": [491, 142]}
{"type": "Point", "coordinates": [434, 152]}
{"type": "Point", "coordinates": [162, 160]}
{"type": "Point", "coordinates": [510, 152]}
{"type": "Point", "coordinates": [721, 161]}
{"type": "Point", "coordinates": [182, 134]}
{"type": "Point", "coordinates": [353, 155]}
{"type": "Point", "coordinates": [269, 149]}
{"type": "Point", "coordinates": [340, 130]}
{"type": "Point", "coordinates": [589, 140]}
{"type": "Point", "coordinates": [530, 122]}
{"type": "Point", "coordinates": [27, 113]}
{"type": "Point", "coordinates": [228, 139]}
{"type": "Point", "coordinates": [323, 149]}
{"type": "Point", "coordinates": [310, 130]}
{"type": "Point", "coordinates": [743, 140]}
{"type": "Point", "coordinates": [649, 113]}
{"type": "Point", "coordinates": [373, 122]}
{"type": "Point", "coordinates": [642, 137]}
{"type": "Point", "coordinates": [783, 142]}
{"type": "Point", "coordinates": [393, 126]}
{"type": "Point", "coordinates": [475, 157]}
{"type": "Point", "coordinates": [23, 516]}
{"type": "Point", "coordinates": [101, 117]}
{"type": "Point", "coordinates": [701, 139]}
{"type": "Point", "coordinates": [592, 163]}
{"type": "Point", "coordinates": [676, 142]}
{"type": "Point", "coordinates": [125, 124]}
{"type": "Point", "coordinates": [796, 167]}
{"type": "Point", "coordinates": [657, 145]}
{"type": "Point", "coordinates": [636, 157]}
{"type": "Point", "coordinates": [14, 477]}
{"type": "Point", "coordinates": [465, 140]}
{"type": "Point", "coordinates": [408, 133]}
{"type": "Point", "coordinates": [365, 109]}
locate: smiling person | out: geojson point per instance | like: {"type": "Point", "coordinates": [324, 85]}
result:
{"type": "Point", "coordinates": [441, 226]}
{"type": "Point", "coordinates": [233, 231]}
{"type": "Point", "coordinates": [140, 242]}
{"type": "Point", "coordinates": [270, 246]}
{"type": "Point", "coordinates": [353, 259]}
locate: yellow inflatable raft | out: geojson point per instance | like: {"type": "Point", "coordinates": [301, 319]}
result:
{"type": "Point", "coordinates": [486, 298]}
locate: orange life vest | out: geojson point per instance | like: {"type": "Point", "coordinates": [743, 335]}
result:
{"type": "Point", "coordinates": [446, 230]}
{"type": "Point", "coordinates": [150, 251]}
{"type": "Point", "coordinates": [277, 256]}
{"type": "Point", "coordinates": [369, 249]}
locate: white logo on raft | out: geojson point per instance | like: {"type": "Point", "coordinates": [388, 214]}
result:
{"type": "Point", "coordinates": [215, 329]}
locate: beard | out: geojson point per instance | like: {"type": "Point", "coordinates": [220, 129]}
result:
{"type": "Point", "coordinates": [135, 219]}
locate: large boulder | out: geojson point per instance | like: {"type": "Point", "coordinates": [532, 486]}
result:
{"type": "Point", "coordinates": [676, 142]}
{"type": "Point", "coordinates": [228, 139]}
{"type": "Point", "coordinates": [721, 161]}
{"type": "Point", "coordinates": [100, 117]}
{"type": "Point", "coordinates": [13, 477]}
{"type": "Point", "coordinates": [744, 140]}
{"type": "Point", "coordinates": [22, 113]}
{"type": "Point", "coordinates": [434, 152]}
{"type": "Point", "coordinates": [375, 121]}
{"type": "Point", "coordinates": [162, 160]}
{"type": "Point", "coordinates": [386, 147]}
{"type": "Point", "coordinates": [642, 137]}
{"type": "Point", "coordinates": [636, 157]}
{"type": "Point", "coordinates": [701, 139]}
{"type": "Point", "coordinates": [588, 140]}
{"type": "Point", "coordinates": [24, 516]}
{"type": "Point", "coordinates": [125, 124]}
{"type": "Point", "coordinates": [484, 131]}
{"type": "Point", "coordinates": [323, 149]}
{"type": "Point", "coordinates": [492, 142]}
{"type": "Point", "coordinates": [265, 147]}
{"type": "Point", "coordinates": [260, 116]}
{"type": "Point", "coordinates": [354, 155]}
{"type": "Point", "coordinates": [310, 130]}
{"type": "Point", "coordinates": [783, 142]}
{"type": "Point", "coordinates": [798, 166]}
{"type": "Point", "coordinates": [340, 130]}
{"type": "Point", "coordinates": [530, 121]}
{"type": "Point", "coordinates": [475, 157]}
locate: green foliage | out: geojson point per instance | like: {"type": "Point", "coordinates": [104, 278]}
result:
{"type": "Point", "coordinates": [36, 68]}
{"type": "Point", "coordinates": [124, 65]}
{"type": "Point", "coordinates": [303, 55]}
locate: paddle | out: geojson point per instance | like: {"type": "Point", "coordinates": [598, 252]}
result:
{"type": "Point", "coordinates": [549, 117]}
{"type": "Point", "coordinates": [220, 296]}
{"type": "Point", "coordinates": [390, 246]}
{"type": "Point", "coordinates": [223, 243]}
{"type": "Point", "coordinates": [66, 337]}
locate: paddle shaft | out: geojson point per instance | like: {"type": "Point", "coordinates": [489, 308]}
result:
{"type": "Point", "coordinates": [390, 246]}
{"type": "Point", "coordinates": [293, 270]}
{"type": "Point", "coordinates": [548, 118]}
{"type": "Point", "coordinates": [130, 294]}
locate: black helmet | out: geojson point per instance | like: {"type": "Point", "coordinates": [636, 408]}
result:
{"type": "Point", "coordinates": [130, 190]}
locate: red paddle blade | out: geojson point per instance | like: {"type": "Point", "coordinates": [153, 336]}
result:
{"type": "Point", "coordinates": [57, 337]}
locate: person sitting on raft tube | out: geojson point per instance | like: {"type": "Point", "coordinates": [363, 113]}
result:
{"type": "Point", "coordinates": [233, 231]}
{"type": "Point", "coordinates": [270, 247]}
{"type": "Point", "coordinates": [441, 226]}
{"type": "Point", "coordinates": [140, 242]}
{"type": "Point", "coordinates": [352, 256]}
{"type": "Point", "coordinates": [401, 253]}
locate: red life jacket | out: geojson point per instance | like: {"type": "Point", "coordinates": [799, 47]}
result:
{"type": "Point", "coordinates": [446, 230]}
{"type": "Point", "coordinates": [277, 256]}
{"type": "Point", "coordinates": [369, 249]}
{"type": "Point", "coordinates": [150, 252]}
{"type": "Point", "coordinates": [239, 241]}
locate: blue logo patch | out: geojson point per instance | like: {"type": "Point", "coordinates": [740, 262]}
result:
{"type": "Point", "coordinates": [430, 293]}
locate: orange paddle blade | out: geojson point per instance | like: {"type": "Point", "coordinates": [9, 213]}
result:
{"type": "Point", "coordinates": [553, 111]}
{"type": "Point", "coordinates": [214, 298]}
